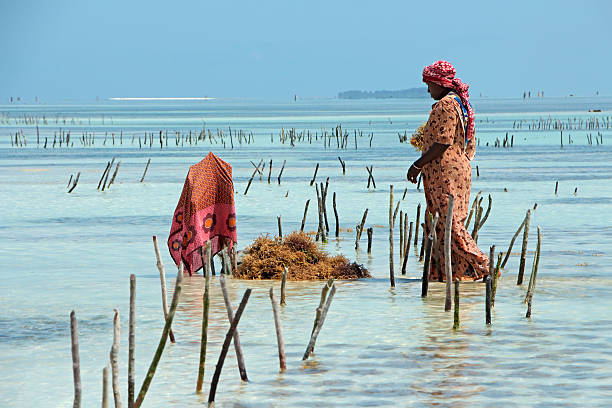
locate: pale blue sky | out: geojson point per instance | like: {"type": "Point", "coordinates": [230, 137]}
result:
{"type": "Point", "coordinates": [274, 49]}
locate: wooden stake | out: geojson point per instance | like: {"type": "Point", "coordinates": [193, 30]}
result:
{"type": "Point", "coordinates": [416, 225]}
{"type": "Point", "coordinates": [269, 171]}
{"type": "Point", "coordinates": [105, 386]}
{"type": "Point", "coordinates": [319, 322]}
{"type": "Point", "coordinates": [370, 231]}
{"type": "Point", "coordinates": [360, 228]}
{"type": "Point", "coordinates": [314, 177]}
{"type": "Point", "coordinates": [206, 255]}
{"type": "Point", "coordinates": [103, 174]}
{"type": "Point", "coordinates": [456, 317]}
{"type": "Point", "coordinates": [427, 262]}
{"type": "Point", "coordinates": [279, 332]}
{"type": "Point", "coordinates": [448, 228]}
{"type": "Point", "coordinates": [114, 360]}
{"type": "Point", "coordinates": [162, 341]}
{"type": "Point", "coordinates": [76, 363]}
{"type": "Point", "coordinates": [162, 280]}
{"type": "Point", "coordinates": [280, 228]}
{"type": "Point", "coordinates": [488, 301]}
{"type": "Point", "coordinates": [145, 171]}
{"type": "Point", "coordinates": [131, 341]}
{"type": "Point", "coordinates": [306, 212]}
{"type": "Point", "coordinates": [392, 215]}
{"type": "Point", "coordinates": [336, 216]}
{"type": "Point", "coordinates": [281, 172]}
{"type": "Point", "coordinates": [512, 243]}
{"type": "Point", "coordinates": [495, 279]}
{"type": "Point", "coordinates": [225, 347]}
{"type": "Point", "coordinates": [521, 271]}
{"type": "Point", "coordinates": [252, 176]}
{"type": "Point", "coordinates": [534, 272]}
{"type": "Point", "coordinates": [237, 346]}
{"type": "Point", "coordinates": [283, 283]}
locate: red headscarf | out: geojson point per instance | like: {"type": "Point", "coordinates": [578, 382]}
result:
{"type": "Point", "coordinates": [443, 74]}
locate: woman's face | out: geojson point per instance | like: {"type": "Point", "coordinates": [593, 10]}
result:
{"type": "Point", "coordinates": [436, 91]}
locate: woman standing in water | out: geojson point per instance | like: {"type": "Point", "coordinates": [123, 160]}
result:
{"type": "Point", "coordinates": [448, 147]}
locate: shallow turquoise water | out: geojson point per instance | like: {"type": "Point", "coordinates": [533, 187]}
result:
{"type": "Point", "coordinates": [379, 346]}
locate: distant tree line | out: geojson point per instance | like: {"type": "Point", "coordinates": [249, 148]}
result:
{"type": "Point", "coordinates": [384, 94]}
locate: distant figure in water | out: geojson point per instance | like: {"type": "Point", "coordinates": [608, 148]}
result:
{"type": "Point", "coordinates": [448, 146]}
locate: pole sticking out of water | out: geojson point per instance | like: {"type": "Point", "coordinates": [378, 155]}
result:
{"type": "Point", "coordinates": [507, 255]}
{"type": "Point", "coordinates": [370, 232]}
{"type": "Point", "coordinates": [392, 216]}
{"type": "Point", "coordinates": [226, 344]}
{"type": "Point", "coordinates": [521, 271]}
{"type": "Point", "coordinates": [360, 228]}
{"type": "Point", "coordinates": [456, 317]}
{"type": "Point", "coordinates": [105, 386]}
{"type": "Point", "coordinates": [162, 341]}
{"type": "Point", "coordinates": [488, 301]}
{"type": "Point", "coordinates": [76, 363]}
{"type": "Point", "coordinates": [534, 272]}
{"type": "Point", "coordinates": [283, 283]}
{"type": "Point", "coordinates": [448, 228]}
{"type": "Point", "coordinates": [162, 279]}
{"type": "Point", "coordinates": [336, 216]}
{"type": "Point", "coordinates": [206, 254]}
{"type": "Point", "coordinates": [145, 170]}
{"type": "Point", "coordinates": [495, 279]}
{"type": "Point", "coordinates": [314, 177]}
{"type": "Point", "coordinates": [280, 228]}
{"type": "Point", "coordinates": [416, 225]}
{"type": "Point", "coordinates": [114, 359]}
{"type": "Point", "coordinates": [306, 212]}
{"type": "Point", "coordinates": [279, 332]}
{"type": "Point", "coordinates": [131, 340]}
{"type": "Point", "coordinates": [237, 346]}
{"type": "Point", "coordinates": [320, 318]}
{"type": "Point", "coordinates": [427, 262]}
{"type": "Point", "coordinates": [281, 172]}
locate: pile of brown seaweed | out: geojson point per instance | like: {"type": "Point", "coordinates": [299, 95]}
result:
{"type": "Point", "coordinates": [266, 259]}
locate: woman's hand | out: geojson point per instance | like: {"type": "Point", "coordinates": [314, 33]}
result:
{"type": "Point", "coordinates": [413, 173]}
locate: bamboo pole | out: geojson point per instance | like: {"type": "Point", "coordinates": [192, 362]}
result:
{"type": "Point", "coordinates": [319, 323]}
{"type": "Point", "coordinates": [206, 254]}
{"type": "Point", "coordinates": [162, 279]}
{"type": "Point", "coordinates": [279, 332]}
{"type": "Point", "coordinates": [114, 360]}
{"type": "Point", "coordinates": [283, 283]}
{"type": "Point", "coordinates": [507, 255]}
{"type": "Point", "coordinates": [225, 347]}
{"type": "Point", "coordinates": [131, 341]}
{"type": "Point", "coordinates": [448, 228]}
{"type": "Point", "coordinates": [162, 341]}
{"type": "Point", "coordinates": [145, 170]}
{"type": "Point", "coordinates": [534, 272]}
{"type": "Point", "coordinates": [76, 363]}
{"type": "Point", "coordinates": [521, 271]}
{"type": "Point", "coordinates": [456, 317]}
{"type": "Point", "coordinates": [306, 212]}
{"type": "Point", "coordinates": [230, 317]}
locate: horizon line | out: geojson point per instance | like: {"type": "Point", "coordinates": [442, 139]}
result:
{"type": "Point", "coordinates": [168, 98]}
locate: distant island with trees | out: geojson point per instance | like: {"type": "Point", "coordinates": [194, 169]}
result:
{"type": "Point", "coordinates": [384, 94]}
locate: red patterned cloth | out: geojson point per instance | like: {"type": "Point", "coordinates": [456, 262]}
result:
{"type": "Point", "coordinates": [443, 74]}
{"type": "Point", "coordinates": [204, 211]}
